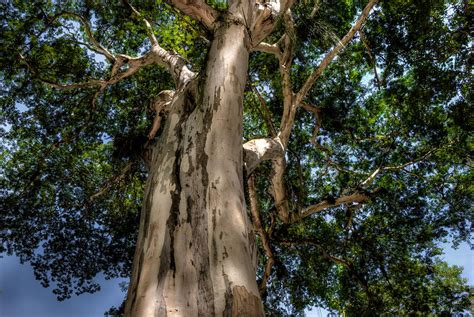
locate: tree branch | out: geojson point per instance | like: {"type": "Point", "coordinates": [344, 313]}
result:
{"type": "Point", "coordinates": [402, 167]}
{"type": "Point", "coordinates": [421, 158]}
{"type": "Point", "coordinates": [97, 47]}
{"type": "Point", "coordinates": [268, 48]}
{"type": "Point", "coordinates": [150, 32]}
{"type": "Point", "coordinates": [170, 60]}
{"type": "Point", "coordinates": [36, 74]}
{"type": "Point", "coordinates": [266, 15]}
{"type": "Point", "coordinates": [356, 197]}
{"type": "Point", "coordinates": [286, 60]}
{"type": "Point", "coordinates": [332, 54]}
{"type": "Point", "coordinates": [113, 180]}
{"type": "Point", "coordinates": [262, 233]}
{"type": "Point", "coordinates": [198, 10]}
{"type": "Point", "coordinates": [317, 125]}
{"type": "Point", "coordinates": [287, 121]}
{"type": "Point", "coordinates": [372, 57]}
{"type": "Point", "coordinates": [265, 113]}
{"type": "Point", "coordinates": [279, 189]}
{"type": "Point", "coordinates": [258, 150]}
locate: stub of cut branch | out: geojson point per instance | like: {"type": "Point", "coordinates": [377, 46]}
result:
{"type": "Point", "coordinates": [159, 104]}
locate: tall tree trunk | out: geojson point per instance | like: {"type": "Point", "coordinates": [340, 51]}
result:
{"type": "Point", "coordinates": [195, 254]}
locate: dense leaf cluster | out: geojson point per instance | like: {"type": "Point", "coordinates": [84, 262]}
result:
{"type": "Point", "coordinates": [397, 98]}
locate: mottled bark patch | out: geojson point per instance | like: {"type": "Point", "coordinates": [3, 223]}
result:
{"type": "Point", "coordinates": [199, 216]}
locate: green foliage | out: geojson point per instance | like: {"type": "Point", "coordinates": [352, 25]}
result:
{"type": "Point", "coordinates": [71, 176]}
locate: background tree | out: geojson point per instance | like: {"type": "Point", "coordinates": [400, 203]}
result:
{"type": "Point", "coordinates": [356, 141]}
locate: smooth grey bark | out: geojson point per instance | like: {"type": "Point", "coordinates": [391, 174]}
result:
{"type": "Point", "coordinates": [195, 253]}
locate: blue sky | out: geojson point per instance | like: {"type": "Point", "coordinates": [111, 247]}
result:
{"type": "Point", "coordinates": [22, 296]}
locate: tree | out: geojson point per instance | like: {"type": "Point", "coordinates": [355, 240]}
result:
{"type": "Point", "coordinates": [344, 126]}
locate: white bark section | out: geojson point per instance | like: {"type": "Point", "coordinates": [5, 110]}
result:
{"type": "Point", "coordinates": [154, 227]}
{"type": "Point", "coordinates": [195, 253]}
{"type": "Point", "coordinates": [258, 150]}
{"type": "Point", "coordinates": [230, 252]}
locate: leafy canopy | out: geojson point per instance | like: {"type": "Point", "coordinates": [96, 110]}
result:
{"type": "Point", "coordinates": [396, 99]}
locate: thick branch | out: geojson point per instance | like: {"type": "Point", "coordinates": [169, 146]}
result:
{"type": "Point", "coordinates": [348, 199]}
{"type": "Point", "coordinates": [279, 189]}
{"type": "Point", "coordinates": [172, 62]}
{"type": "Point", "coordinates": [258, 150]}
{"type": "Point", "coordinates": [198, 10]}
{"type": "Point", "coordinates": [286, 60]}
{"type": "Point", "coordinates": [263, 21]}
{"type": "Point", "coordinates": [287, 121]}
{"type": "Point", "coordinates": [268, 48]}
{"type": "Point", "coordinates": [266, 15]}
{"type": "Point", "coordinates": [332, 54]}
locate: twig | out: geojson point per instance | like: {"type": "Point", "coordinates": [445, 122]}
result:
{"type": "Point", "coordinates": [151, 34]}
{"type": "Point", "coordinates": [265, 113]}
{"type": "Point", "coordinates": [115, 179]}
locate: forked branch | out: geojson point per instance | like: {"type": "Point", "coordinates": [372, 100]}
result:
{"type": "Point", "coordinates": [96, 46]}
{"type": "Point", "coordinates": [122, 66]}
{"type": "Point", "coordinates": [333, 53]}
